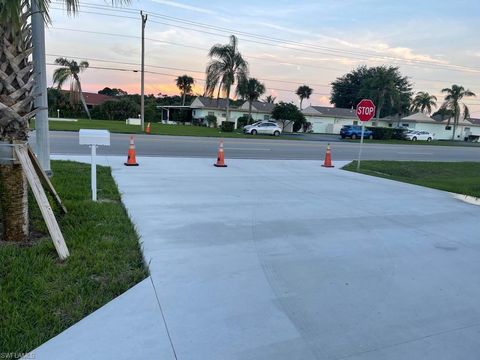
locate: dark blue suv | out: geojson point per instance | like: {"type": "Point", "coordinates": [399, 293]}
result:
{"type": "Point", "coordinates": [355, 132]}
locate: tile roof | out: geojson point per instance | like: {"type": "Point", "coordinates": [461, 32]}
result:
{"type": "Point", "coordinates": [97, 99]}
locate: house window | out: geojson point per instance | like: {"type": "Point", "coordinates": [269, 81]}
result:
{"type": "Point", "coordinates": [355, 122]}
{"type": "Point", "coordinates": [390, 125]}
{"type": "Point", "coordinates": [266, 117]}
{"type": "Point", "coordinates": [448, 128]}
{"type": "Point", "coordinates": [211, 113]}
{"type": "Point", "coordinates": [224, 114]}
{"type": "Point", "coordinates": [405, 125]}
{"type": "Point", "coordinates": [245, 115]}
{"type": "Point", "coordinates": [193, 112]}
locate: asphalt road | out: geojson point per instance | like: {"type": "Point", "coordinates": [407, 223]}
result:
{"type": "Point", "coordinates": [259, 148]}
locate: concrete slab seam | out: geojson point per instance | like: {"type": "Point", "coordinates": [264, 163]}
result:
{"type": "Point", "coordinates": [163, 317]}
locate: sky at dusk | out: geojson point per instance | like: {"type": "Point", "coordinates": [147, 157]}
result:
{"type": "Point", "coordinates": [286, 43]}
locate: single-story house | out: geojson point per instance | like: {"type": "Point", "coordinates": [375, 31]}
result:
{"type": "Point", "coordinates": [436, 125]}
{"type": "Point", "coordinates": [94, 99]}
{"type": "Point", "coordinates": [203, 106]}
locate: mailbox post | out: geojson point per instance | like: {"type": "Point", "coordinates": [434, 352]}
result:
{"type": "Point", "coordinates": [94, 138]}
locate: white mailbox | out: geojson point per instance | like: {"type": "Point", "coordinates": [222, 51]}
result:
{"type": "Point", "coordinates": [94, 138]}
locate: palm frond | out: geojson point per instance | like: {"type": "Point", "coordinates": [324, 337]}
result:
{"type": "Point", "coordinates": [83, 65]}
{"type": "Point", "coordinates": [60, 76]}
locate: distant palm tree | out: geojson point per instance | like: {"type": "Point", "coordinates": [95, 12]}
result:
{"type": "Point", "coordinates": [270, 99]}
{"type": "Point", "coordinates": [424, 102]}
{"type": "Point", "coordinates": [453, 102]}
{"type": "Point", "coordinates": [225, 67]}
{"type": "Point", "coordinates": [250, 90]}
{"type": "Point", "coordinates": [69, 70]}
{"type": "Point", "coordinates": [304, 92]}
{"type": "Point", "coordinates": [185, 84]}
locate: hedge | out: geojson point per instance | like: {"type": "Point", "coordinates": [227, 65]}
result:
{"type": "Point", "coordinates": [227, 126]}
{"type": "Point", "coordinates": [384, 133]}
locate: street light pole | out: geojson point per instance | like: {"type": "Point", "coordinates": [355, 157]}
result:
{"type": "Point", "coordinates": [41, 102]}
{"type": "Point", "coordinates": [142, 97]}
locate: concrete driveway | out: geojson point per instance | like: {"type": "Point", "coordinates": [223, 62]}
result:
{"type": "Point", "coordinates": [289, 260]}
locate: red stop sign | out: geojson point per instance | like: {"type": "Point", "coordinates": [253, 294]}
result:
{"type": "Point", "coordinates": [365, 110]}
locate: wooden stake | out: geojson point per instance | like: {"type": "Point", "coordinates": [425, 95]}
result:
{"type": "Point", "coordinates": [44, 179]}
{"type": "Point", "coordinates": [21, 153]}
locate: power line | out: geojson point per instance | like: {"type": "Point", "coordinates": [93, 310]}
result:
{"type": "Point", "coordinates": [178, 69]}
{"type": "Point", "coordinates": [346, 53]}
{"type": "Point", "coordinates": [205, 49]}
{"type": "Point", "coordinates": [269, 38]}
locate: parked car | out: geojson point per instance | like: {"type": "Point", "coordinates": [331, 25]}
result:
{"type": "Point", "coordinates": [355, 132]}
{"type": "Point", "coordinates": [419, 135]}
{"type": "Point", "coordinates": [264, 128]}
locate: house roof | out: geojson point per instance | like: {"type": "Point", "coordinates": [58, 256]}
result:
{"type": "Point", "coordinates": [259, 106]}
{"type": "Point", "coordinates": [96, 99]}
{"type": "Point", "coordinates": [437, 119]}
{"type": "Point", "coordinates": [93, 99]}
{"type": "Point", "coordinates": [418, 117]}
{"type": "Point", "coordinates": [330, 111]}
{"type": "Point", "coordinates": [208, 102]}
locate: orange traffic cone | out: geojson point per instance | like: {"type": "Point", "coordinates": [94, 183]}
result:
{"type": "Point", "coordinates": [328, 158]}
{"type": "Point", "coordinates": [220, 156]}
{"type": "Point", "coordinates": [147, 130]}
{"type": "Point", "coordinates": [131, 161]}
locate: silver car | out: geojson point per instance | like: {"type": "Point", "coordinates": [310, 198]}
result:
{"type": "Point", "coordinates": [263, 128]}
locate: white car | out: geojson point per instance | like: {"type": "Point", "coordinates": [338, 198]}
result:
{"type": "Point", "coordinates": [263, 128]}
{"type": "Point", "coordinates": [419, 135]}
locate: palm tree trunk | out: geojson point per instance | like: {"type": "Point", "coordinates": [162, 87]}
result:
{"type": "Point", "coordinates": [82, 98]}
{"type": "Point", "coordinates": [183, 98]}
{"type": "Point", "coordinates": [249, 111]}
{"type": "Point", "coordinates": [14, 203]}
{"type": "Point", "coordinates": [301, 101]}
{"type": "Point", "coordinates": [228, 104]}
{"type": "Point", "coordinates": [455, 123]}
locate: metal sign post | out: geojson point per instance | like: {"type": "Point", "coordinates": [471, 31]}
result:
{"type": "Point", "coordinates": [361, 146]}
{"type": "Point", "coordinates": [365, 112]}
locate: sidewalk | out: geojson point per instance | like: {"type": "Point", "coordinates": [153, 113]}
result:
{"type": "Point", "coordinates": [273, 259]}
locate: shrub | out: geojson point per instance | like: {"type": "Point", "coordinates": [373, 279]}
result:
{"type": "Point", "coordinates": [243, 121]}
{"type": "Point", "coordinates": [399, 134]}
{"type": "Point", "coordinates": [211, 120]}
{"type": "Point", "coordinates": [227, 126]}
{"type": "Point", "coordinates": [384, 133]}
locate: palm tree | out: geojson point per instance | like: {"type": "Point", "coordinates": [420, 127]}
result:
{"type": "Point", "coordinates": [304, 92]}
{"type": "Point", "coordinates": [424, 102]}
{"type": "Point", "coordinates": [16, 105]}
{"type": "Point", "coordinates": [250, 90]}
{"type": "Point", "coordinates": [270, 99]}
{"type": "Point", "coordinates": [69, 70]}
{"type": "Point", "coordinates": [185, 84]}
{"type": "Point", "coordinates": [453, 102]}
{"type": "Point", "coordinates": [226, 65]}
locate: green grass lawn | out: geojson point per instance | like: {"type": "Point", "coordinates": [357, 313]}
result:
{"type": "Point", "coordinates": [457, 177]}
{"type": "Point", "coordinates": [156, 129]}
{"type": "Point", "coordinates": [41, 296]}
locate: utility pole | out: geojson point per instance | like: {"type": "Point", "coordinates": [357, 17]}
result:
{"type": "Point", "coordinates": [142, 97]}
{"type": "Point", "coordinates": [41, 102]}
